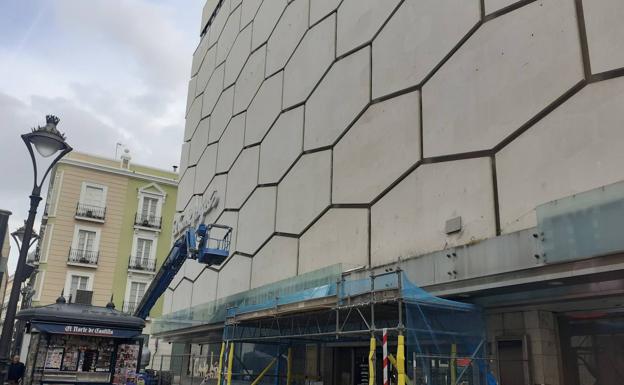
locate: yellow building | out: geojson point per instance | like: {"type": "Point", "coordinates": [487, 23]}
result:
{"type": "Point", "coordinates": [105, 231]}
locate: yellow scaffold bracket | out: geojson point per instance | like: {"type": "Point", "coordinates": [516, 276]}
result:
{"type": "Point", "coordinates": [371, 361]}
{"type": "Point", "coordinates": [400, 359]}
{"type": "Point", "coordinates": [392, 360]}
{"type": "Point", "coordinates": [264, 371]}
{"type": "Point", "coordinates": [289, 367]}
{"type": "Point", "coordinates": [230, 363]}
{"type": "Point", "coordinates": [220, 367]}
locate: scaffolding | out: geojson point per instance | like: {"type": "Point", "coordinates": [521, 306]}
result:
{"type": "Point", "coordinates": [434, 341]}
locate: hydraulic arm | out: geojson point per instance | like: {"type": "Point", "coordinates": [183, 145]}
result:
{"type": "Point", "coordinates": [193, 244]}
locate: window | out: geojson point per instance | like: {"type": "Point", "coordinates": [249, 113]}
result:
{"type": "Point", "coordinates": [144, 250]}
{"type": "Point", "coordinates": [77, 280]}
{"type": "Point", "coordinates": [148, 211]}
{"type": "Point", "coordinates": [86, 241]}
{"type": "Point", "coordinates": [137, 290]}
{"type": "Point", "coordinates": [94, 195]}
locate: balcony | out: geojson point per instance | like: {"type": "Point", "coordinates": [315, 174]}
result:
{"type": "Point", "coordinates": [83, 257]}
{"type": "Point", "coordinates": [129, 308]}
{"type": "Point", "coordinates": [147, 265]}
{"type": "Point", "coordinates": [148, 221]}
{"type": "Point", "coordinates": [34, 258]}
{"type": "Point", "coordinates": [90, 212]}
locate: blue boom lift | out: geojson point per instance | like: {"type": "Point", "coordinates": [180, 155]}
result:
{"type": "Point", "coordinates": [193, 244]}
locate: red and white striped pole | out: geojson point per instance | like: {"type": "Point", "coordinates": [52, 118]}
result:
{"type": "Point", "coordinates": [385, 357]}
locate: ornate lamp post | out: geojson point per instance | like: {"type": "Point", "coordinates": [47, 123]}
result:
{"type": "Point", "coordinates": [27, 291]}
{"type": "Point", "coordinates": [47, 141]}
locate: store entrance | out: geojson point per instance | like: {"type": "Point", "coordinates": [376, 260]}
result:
{"type": "Point", "coordinates": [592, 348]}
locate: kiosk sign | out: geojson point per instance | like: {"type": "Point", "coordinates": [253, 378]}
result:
{"type": "Point", "coordinates": [90, 331]}
{"type": "Point", "coordinates": [85, 330]}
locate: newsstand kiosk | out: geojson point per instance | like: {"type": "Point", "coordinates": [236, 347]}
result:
{"type": "Point", "coordinates": [82, 344]}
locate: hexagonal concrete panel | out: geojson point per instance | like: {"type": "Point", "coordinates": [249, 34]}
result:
{"type": "Point", "coordinates": [605, 34]}
{"type": "Point", "coordinates": [204, 287]}
{"type": "Point", "coordinates": [192, 269]}
{"type": "Point", "coordinates": [218, 23]}
{"type": "Point", "coordinates": [184, 156]}
{"type": "Point", "coordinates": [177, 278]}
{"type": "Point", "coordinates": [238, 56]}
{"type": "Point", "coordinates": [206, 70]}
{"type": "Point", "coordinates": [582, 131]}
{"type": "Point", "coordinates": [214, 198]}
{"type": "Point", "coordinates": [206, 168]}
{"type": "Point", "coordinates": [287, 34]}
{"type": "Point", "coordinates": [304, 193]}
{"type": "Point", "coordinates": [199, 141]}
{"type": "Point", "coordinates": [466, 106]}
{"type": "Point", "coordinates": [492, 6]}
{"type": "Point", "coordinates": [321, 8]}
{"type": "Point", "coordinates": [231, 143]}
{"type": "Point", "coordinates": [228, 36]}
{"type": "Point", "coordinates": [213, 91]}
{"type": "Point", "coordinates": [187, 183]}
{"type": "Point", "coordinates": [278, 251]}
{"type": "Point", "coordinates": [234, 277]}
{"type": "Point", "coordinates": [190, 96]}
{"type": "Point", "coordinates": [309, 62]}
{"type": "Point", "coordinates": [359, 20]}
{"type": "Point", "coordinates": [192, 119]}
{"type": "Point", "coordinates": [339, 235]}
{"type": "Point", "coordinates": [221, 115]}
{"type": "Point", "coordinates": [382, 145]}
{"type": "Point", "coordinates": [249, 80]}
{"type": "Point", "coordinates": [181, 298]}
{"type": "Point", "coordinates": [433, 27]}
{"type": "Point", "coordinates": [250, 8]}
{"type": "Point", "coordinates": [198, 55]}
{"type": "Point", "coordinates": [347, 84]}
{"type": "Point", "coordinates": [256, 220]}
{"type": "Point", "coordinates": [265, 20]}
{"type": "Point", "coordinates": [264, 108]}
{"type": "Point", "coordinates": [242, 178]}
{"type": "Point", "coordinates": [281, 147]}
{"type": "Point", "coordinates": [167, 300]}
{"type": "Point", "coordinates": [410, 219]}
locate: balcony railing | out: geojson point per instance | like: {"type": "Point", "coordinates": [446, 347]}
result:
{"type": "Point", "coordinates": [150, 221]}
{"type": "Point", "coordinates": [89, 257]}
{"type": "Point", "coordinates": [129, 308]}
{"type": "Point", "coordinates": [90, 211]}
{"type": "Point", "coordinates": [143, 264]}
{"type": "Point", "coordinates": [34, 258]}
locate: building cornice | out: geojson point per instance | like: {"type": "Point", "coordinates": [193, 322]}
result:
{"type": "Point", "coordinates": [117, 171]}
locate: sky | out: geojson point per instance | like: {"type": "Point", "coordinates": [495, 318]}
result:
{"type": "Point", "coordinates": [111, 70]}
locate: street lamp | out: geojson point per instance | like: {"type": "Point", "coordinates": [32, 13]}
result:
{"type": "Point", "coordinates": [46, 141]}
{"type": "Point", "coordinates": [27, 291]}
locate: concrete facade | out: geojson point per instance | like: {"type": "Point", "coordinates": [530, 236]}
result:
{"type": "Point", "coordinates": [353, 131]}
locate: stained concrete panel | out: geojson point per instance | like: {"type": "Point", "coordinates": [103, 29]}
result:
{"type": "Point", "coordinates": [249, 80]}
{"type": "Point", "coordinates": [213, 91]}
{"type": "Point", "coordinates": [218, 23]}
{"type": "Point", "coordinates": [206, 168]}
{"type": "Point", "coordinates": [234, 277]}
{"type": "Point", "coordinates": [221, 115]}
{"type": "Point", "coordinates": [249, 10]}
{"type": "Point", "coordinates": [304, 192]}
{"type": "Point", "coordinates": [228, 36]}
{"type": "Point", "coordinates": [192, 119]}
{"type": "Point", "coordinates": [184, 156]}
{"type": "Point", "coordinates": [417, 37]}
{"type": "Point", "coordinates": [206, 70]}
{"type": "Point", "coordinates": [198, 55]}
{"type": "Point", "coordinates": [605, 34]}
{"type": "Point", "coordinates": [382, 145]}
{"type": "Point", "coordinates": [238, 56]}
{"type": "Point", "coordinates": [264, 109]}
{"type": "Point", "coordinates": [204, 288]}
{"type": "Point", "coordinates": [410, 219]}
{"type": "Point", "coordinates": [278, 252]}
{"type": "Point", "coordinates": [190, 96]}
{"type": "Point", "coordinates": [256, 220]}
{"type": "Point", "coordinates": [569, 151]}
{"type": "Point", "coordinates": [265, 20]}
{"type": "Point", "coordinates": [231, 143]}
{"type": "Point", "coordinates": [186, 185]}
{"type": "Point", "coordinates": [181, 298]}
{"type": "Point", "coordinates": [242, 178]}
{"type": "Point", "coordinates": [359, 20]}
{"type": "Point", "coordinates": [347, 84]}
{"type": "Point", "coordinates": [282, 146]}
{"type": "Point", "coordinates": [287, 34]}
{"type": "Point", "coordinates": [509, 70]}
{"type": "Point", "coordinates": [199, 141]}
{"type": "Point", "coordinates": [321, 8]}
{"type": "Point", "coordinates": [193, 269]}
{"type": "Point", "coordinates": [309, 62]}
{"type": "Point", "coordinates": [339, 235]}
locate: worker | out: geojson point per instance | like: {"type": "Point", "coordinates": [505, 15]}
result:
{"type": "Point", "coordinates": [16, 371]}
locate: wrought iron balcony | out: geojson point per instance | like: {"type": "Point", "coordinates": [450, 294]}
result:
{"type": "Point", "coordinates": [129, 308]}
{"type": "Point", "coordinates": [33, 258]}
{"type": "Point", "coordinates": [150, 221]}
{"type": "Point", "coordinates": [84, 210]}
{"type": "Point", "coordinates": [88, 257]}
{"type": "Point", "coordinates": [142, 264]}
